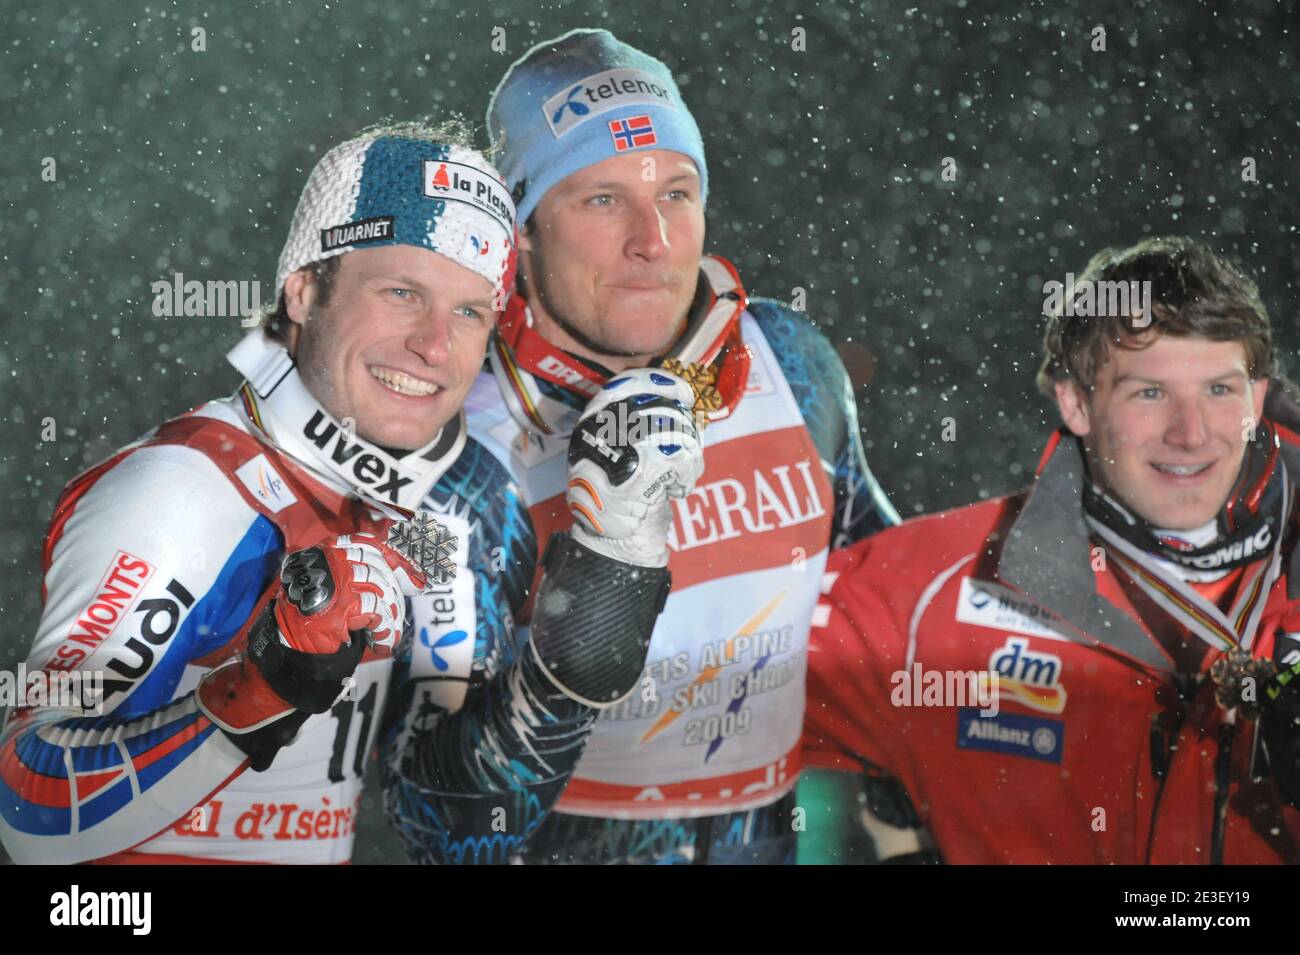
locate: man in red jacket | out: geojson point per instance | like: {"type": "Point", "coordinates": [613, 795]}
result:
{"type": "Point", "coordinates": [1099, 669]}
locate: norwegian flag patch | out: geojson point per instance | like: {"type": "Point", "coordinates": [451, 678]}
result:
{"type": "Point", "coordinates": [632, 133]}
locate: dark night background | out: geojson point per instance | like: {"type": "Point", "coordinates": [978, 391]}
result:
{"type": "Point", "coordinates": [825, 175]}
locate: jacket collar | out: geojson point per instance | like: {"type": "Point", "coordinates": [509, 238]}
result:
{"type": "Point", "coordinates": [1281, 408]}
{"type": "Point", "coordinates": [1048, 558]}
{"type": "Point", "coordinates": [278, 404]}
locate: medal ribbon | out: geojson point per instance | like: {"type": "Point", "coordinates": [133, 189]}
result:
{"type": "Point", "coordinates": [1231, 631]}
{"type": "Point", "coordinates": [279, 405]}
{"type": "Point", "coordinates": [712, 344]}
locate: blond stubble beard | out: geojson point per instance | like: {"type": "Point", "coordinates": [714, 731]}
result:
{"type": "Point", "coordinates": [597, 337]}
{"type": "Point", "coordinates": [320, 381]}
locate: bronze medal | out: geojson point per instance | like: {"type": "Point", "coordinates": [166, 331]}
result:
{"type": "Point", "coordinates": [1239, 679]}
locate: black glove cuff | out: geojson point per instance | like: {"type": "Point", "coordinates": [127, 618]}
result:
{"type": "Point", "coordinates": [886, 798]}
{"type": "Point", "coordinates": [309, 681]}
{"type": "Point", "coordinates": [594, 617]}
{"type": "Point", "coordinates": [261, 745]}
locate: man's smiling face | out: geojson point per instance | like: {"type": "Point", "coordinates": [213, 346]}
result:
{"type": "Point", "coordinates": [1166, 426]}
{"type": "Point", "coordinates": [398, 344]}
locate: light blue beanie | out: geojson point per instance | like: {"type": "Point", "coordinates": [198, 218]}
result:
{"type": "Point", "coordinates": [571, 102]}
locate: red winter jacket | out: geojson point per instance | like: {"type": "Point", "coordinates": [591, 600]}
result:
{"type": "Point", "coordinates": [1068, 770]}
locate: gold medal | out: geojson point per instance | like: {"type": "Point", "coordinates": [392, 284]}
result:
{"type": "Point", "coordinates": [702, 380]}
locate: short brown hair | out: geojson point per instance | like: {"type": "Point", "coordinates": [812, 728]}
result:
{"type": "Point", "coordinates": [276, 325]}
{"type": "Point", "coordinates": [1193, 292]}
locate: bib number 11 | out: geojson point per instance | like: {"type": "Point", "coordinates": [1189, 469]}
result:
{"type": "Point", "coordinates": [342, 712]}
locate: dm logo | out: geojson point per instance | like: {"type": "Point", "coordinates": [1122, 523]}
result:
{"type": "Point", "coordinates": [446, 640]}
{"type": "Point", "coordinates": [579, 109]}
{"type": "Point", "coordinates": [1028, 677]}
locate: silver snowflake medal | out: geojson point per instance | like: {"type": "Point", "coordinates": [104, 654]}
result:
{"type": "Point", "coordinates": [426, 544]}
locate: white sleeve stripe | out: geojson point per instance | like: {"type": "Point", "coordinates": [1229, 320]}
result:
{"type": "Point", "coordinates": [924, 603]}
{"type": "Point", "coordinates": [130, 768]}
{"type": "Point", "coordinates": [74, 798]}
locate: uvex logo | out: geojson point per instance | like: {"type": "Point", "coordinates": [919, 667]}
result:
{"type": "Point", "coordinates": [368, 469]}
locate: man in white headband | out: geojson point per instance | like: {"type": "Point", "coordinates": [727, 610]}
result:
{"type": "Point", "coordinates": [241, 576]}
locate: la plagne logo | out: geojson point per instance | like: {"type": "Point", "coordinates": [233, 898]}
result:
{"type": "Point", "coordinates": [457, 182]}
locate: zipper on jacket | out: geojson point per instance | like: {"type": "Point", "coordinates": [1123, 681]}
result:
{"type": "Point", "coordinates": [1162, 748]}
{"type": "Point", "coordinates": [1164, 745]}
{"type": "Point", "coordinates": [1222, 771]}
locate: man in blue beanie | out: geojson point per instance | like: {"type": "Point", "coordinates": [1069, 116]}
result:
{"type": "Point", "coordinates": [607, 168]}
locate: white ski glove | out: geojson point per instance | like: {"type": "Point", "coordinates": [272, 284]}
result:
{"type": "Point", "coordinates": [635, 446]}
